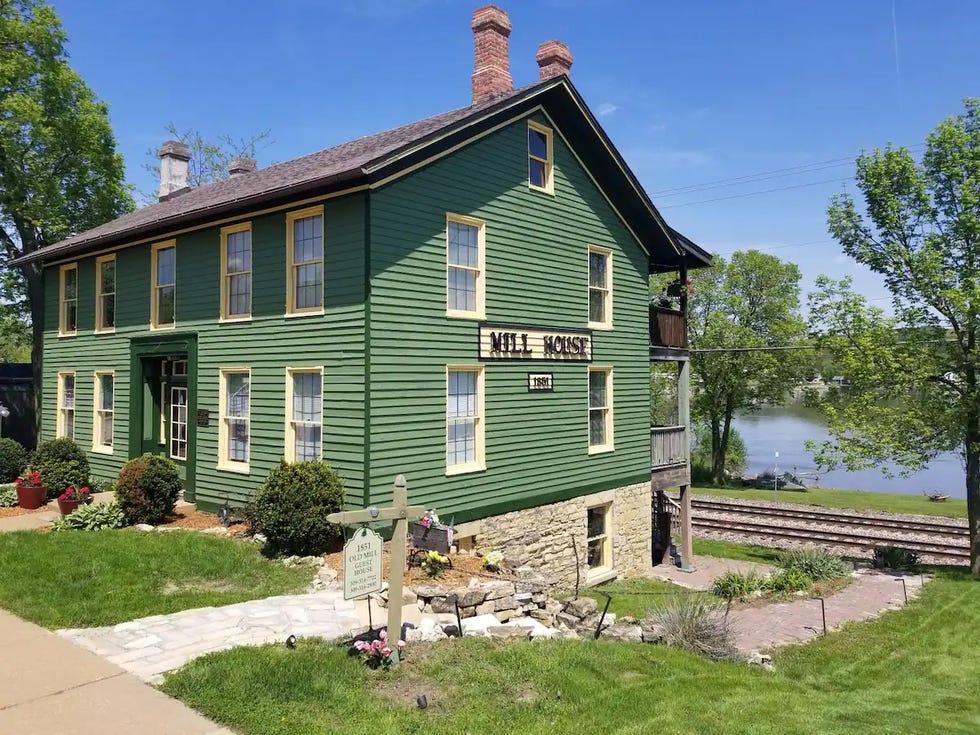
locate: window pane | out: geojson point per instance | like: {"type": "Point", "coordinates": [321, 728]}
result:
{"type": "Point", "coordinates": [165, 305]}
{"type": "Point", "coordinates": [597, 426]}
{"type": "Point", "coordinates": [71, 283]}
{"type": "Point", "coordinates": [307, 397]}
{"type": "Point", "coordinates": [105, 390]}
{"type": "Point", "coordinates": [165, 266]}
{"type": "Point", "coordinates": [537, 143]}
{"type": "Point", "coordinates": [307, 443]}
{"type": "Point", "coordinates": [108, 277]}
{"type": "Point", "coordinates": [238, 440]}
{"type": "Point", "coordinates": [308, 239]}
{"type": "Point", "coordinates": [597, 269]}
{"type": "Point", "coordinates": [71, 316]}
{"type": "Point", "coordinates": [68, 392]}
{"type": "Point", "coordinates": [237, 391]}
{"type": "Point", "coordinates": [461, 444]}
{"type": "Point", "coordinates": [464, 245]}
{"type": "Point", "coordinates": [309, 286]}
{"type": "Point", "coordinates": [597, 305]}
{"type": "Point", "coordinates": [70, 424]}
{"type": "Point", "coordinates": [239, 252]}
{"type": "Point", "coordinates": [537, 173]}
{"type": "Point", "coordinates": [106, 438]}
{"type": "Point", "coordinates": [597, 389]}
{"type": "Point", "coordinates": [239, 294]}
{"type": "Point", "coordinates": [462, 393]}
{"type": "Point", "coordinates": [108, 311]}
{"type": "Point", "coordinates": [462, 289]}
{"type": "Point", "coordinates": [596, 522]}
{"type": "Point", "coordinates": [595, 553]}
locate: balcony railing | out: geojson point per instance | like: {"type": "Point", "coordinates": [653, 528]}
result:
{"type": "Point", "coordinates": [668, 446]}
{"type": "Point", "coordinates": [668, 327]}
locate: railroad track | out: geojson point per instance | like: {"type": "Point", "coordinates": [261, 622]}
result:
{"type": "Point", "coordinates": [942, 540]}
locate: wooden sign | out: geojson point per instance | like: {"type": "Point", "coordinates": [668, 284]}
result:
{"type": "Point", "coordinates": [203, 417]}
{"type": "Point", "coordinates": [508, 342]}
{"type": "Point", "coordinates": [540, 382]}
{"type": "Point", "coordinates": [362, 564]}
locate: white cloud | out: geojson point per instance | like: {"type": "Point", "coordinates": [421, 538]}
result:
{"type": "Point", "coordinates": [605, 109]}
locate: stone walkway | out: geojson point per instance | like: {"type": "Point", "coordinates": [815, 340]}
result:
{"type": "Point", "coordinates": [705, 569]}
{"type": "Point", "coordinates": [868, 596]}
{"type": "Point", "coordinates": [150, 646]}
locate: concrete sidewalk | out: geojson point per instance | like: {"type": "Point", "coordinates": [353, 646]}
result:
{"type": "Point", "coordinates": [49, 685]}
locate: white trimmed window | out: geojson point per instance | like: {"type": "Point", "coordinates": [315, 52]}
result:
{"type": "Point", "coordinates": [234, 437]}
{"type": "Point", "coordinates": [105, 293]}
{"type": "Point", "coordinates": [102, 426]}
{"type": "Point", "coordinates": [540, 157]}
{"type": "Point", "coordinates": [464, 420]}
{"type": "Point", "coordinates": [68, 300]}
{"type": "Point", "coordinates": [465, 256]}
{"type": "Point", "coordinates": [304, 417]}
{"type": "Point", "coordinates": [304, 266]}
{"type": "Point", "coordinates": [236, 271]}
{"type": "Point", "coordinates": [598, 543]}
{"type": "Point", "coordinates": [178, 422]}
{"type": "Point", "coordinates": [600, 409]}
{"type": "Point", "coordinates": [66, 406]}
{"type": "Point", "coordinates": [163, 264]}
{"type": "Point", "coordinates": [600, 288]}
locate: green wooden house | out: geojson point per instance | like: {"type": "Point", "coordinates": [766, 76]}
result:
{"type": "Point", "coordinates": [462, 300]}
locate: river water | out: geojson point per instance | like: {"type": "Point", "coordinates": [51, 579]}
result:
{"type": "Point", "coordinates": [784, 429]}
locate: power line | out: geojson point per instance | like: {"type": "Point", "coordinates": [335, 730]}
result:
{"type": "Point", "coordinates": [762, 191]}
{"type": "Point", "coordinates": [747, 180]}
{"type": "Point", "coordinates": [811, 243]}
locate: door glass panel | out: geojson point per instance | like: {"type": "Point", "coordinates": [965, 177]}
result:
{"type": "Point", "coordinates": [178, 422]}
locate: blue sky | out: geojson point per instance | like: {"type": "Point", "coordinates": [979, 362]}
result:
{"type": "Point", "coordinates": [692, 92]}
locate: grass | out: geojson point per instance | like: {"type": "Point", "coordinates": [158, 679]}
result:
{"type": "Point", "coordinates": [80, 579]}
{"type": "Point", "coordinates": [851, 499]}
{"type": "Point", "coordinates": [730, 550]}
{"type": "Point", "coordinates": [912, 671]}
{"type": "Point", "coordinates": [635, 597]}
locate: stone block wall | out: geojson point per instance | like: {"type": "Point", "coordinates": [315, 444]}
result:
{"type": "Point", "coordinates": [541, 537]}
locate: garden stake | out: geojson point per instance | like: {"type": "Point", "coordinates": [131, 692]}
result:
{"type": "Point", "coordinates": [598, 628]}
{"type": "Point", "coordinates": [459, 622]}
{"type": "Point", "coordinates": [370, 622]}
{"type": "Point", "coordinates": [905, 589]}
{"type": "Point", "coordinates": [575, 552]}
{"type": "Point", "coordinates": [823, 614]}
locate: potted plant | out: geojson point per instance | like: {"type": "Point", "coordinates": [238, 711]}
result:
{"type": "Point", "coordinates": [32, 493]}
{"type": "Point", "coordinates": [71, 498]}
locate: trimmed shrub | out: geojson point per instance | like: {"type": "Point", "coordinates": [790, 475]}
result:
{"type": "Point", "coordinates": [696, 624]}
{"type": "Point", "coordinates": [13, 460]}
{"type": "Point", "coordinates": [8, 496]}
{"type": "Point", "coordinates": [894, 557]}
{"type": "Point", "coordinates": [816, 563]}
{"type": "Point", "coordinates": [738, 584]}
{"type": "Point", "coordinates": [148, 488]}
{"type": "Point", "coordinates": [62, 465]}
{"type": "Point", "coordinates": [788, 580]}
{"type": "Point", "coordinates": [94, 517]}
{"type": "Point", "coordinates": [292, 505]}
{"type": "Point", "coordinates": [103, 486]}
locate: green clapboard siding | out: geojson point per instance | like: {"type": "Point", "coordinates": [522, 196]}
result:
{"type": "Point", "coordinates": [536, 274]}
{"type": "Point", "coordinates": [267, 344]}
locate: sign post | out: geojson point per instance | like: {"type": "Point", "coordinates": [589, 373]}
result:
{"type": "Point", "coordinates": [362, 554]}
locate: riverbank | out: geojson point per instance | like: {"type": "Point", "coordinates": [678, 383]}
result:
{"type": "Point", "coordinates": [850, 499]}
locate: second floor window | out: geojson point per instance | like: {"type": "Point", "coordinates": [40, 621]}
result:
{"type": "Point", "coordinates": [68, 312]}
{"type": "Point", "coordinates": [540, 157]}
{"type": "Point", "coordinates": [236, 271]}
{"type": "Point", "coordinates": [105, 293]}
{"type": "Point", "coordinates": [464, 267]}
{"type": "Point", "coordinates": [164, 266]}
{"type": "Point", "coordinates": [600, 410]}
{"type": "Point", "coordinates": [304, 245]}
{"type": "Point", "coordinates": [600, 288]}
{"type": "Point", "coordinates": [104, 404]}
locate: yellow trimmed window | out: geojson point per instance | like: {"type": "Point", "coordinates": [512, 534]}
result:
{"type": "Point", "coordinates": [540, 157]}
{"type": "Point", "coordinates": [102, 426]}
{"type": "Point", "coordinates": [304, 261]}
{"type": "Point", "coordinates": [65, 424]}
{"type": "Point", "coordinates": [163, 264]}
{"type": "Point", "coordinates": [600, 409]}
{"type": "Point", "coordinates": [600, 288]}
{"type": "Point", "coordinates": [465, 256]}
{"type": "Point", "coordinates": [105, 293]}
{"type": "Point", "coordinates": [465, 430]}
{"type": "Point", "coordinates": [68, 300]}
{"type": "Point", "coordinates": [304, 414]}
{"type": "Point", "coordinates": [236, 271]}
{"type": "Point", "coordinates": [598, 541]}
{"type": "Point", "coordinates": [235, 431]}
{"type": "Point", "coordinates": [178, 422]}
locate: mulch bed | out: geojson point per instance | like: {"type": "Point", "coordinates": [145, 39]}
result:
{"type": "Point", "coordinates": [18, 511]}
{"type": "Point", "coordinates": [198, 520]}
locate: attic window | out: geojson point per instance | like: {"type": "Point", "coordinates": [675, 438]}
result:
{"type": "Point", "coordinates": [540, 156]}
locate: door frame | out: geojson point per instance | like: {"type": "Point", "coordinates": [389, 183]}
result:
{"type": "Point", "coordinates": [160, 346]}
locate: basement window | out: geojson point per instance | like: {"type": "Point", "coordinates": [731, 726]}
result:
{"type": "Point", "coordinates": [540, 157]}
{"type": "Point", "coordinates": [598, 543]}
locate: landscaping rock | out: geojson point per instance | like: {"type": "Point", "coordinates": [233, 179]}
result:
{"type": "Point", "coordinates": [444, 604]}
{"type": "Point", "coordinates": [568, 620]}
{"type": "Point", "coordinates": [217, 531]}
{"type": "Point", "coordinates": [143, 527]}
{"type": "Point", "coordinates": [508, 632]}
{"type": "Point", "coordinates": [581, 607]}
{"type": "Point", "coordinates": [623, 633]}
{"type": "Point", "coordinates": [486, 608]}
{"type": "Point", "coordinates": [522, 598]}
{"type": "Point", "coordinates": [652, 633]}
{"type": "Point", "coordinates": [543, 616]}
{"type": "Point", "coordinates": [477, 626]}
{"type": "Point", "coordinates": [429, 591]}
{"type": "Point", "coordinates": [756, 658]}
{"type": "Point", "coordinates": [498, 590]}
{"type": "Point", "coordinates": [504, 615]}
{"type": "Point", "coordinates": [470, 596]}
{"type": "Point", "coordinates": [504, 603]}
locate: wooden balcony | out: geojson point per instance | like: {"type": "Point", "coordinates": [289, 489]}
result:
{"type": "Point", "coordinates": [668, 328]}
{"type": "Point", "coordinates": [668, 447]}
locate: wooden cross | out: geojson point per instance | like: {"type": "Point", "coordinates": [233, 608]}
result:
{"type": "Point", "coordinates": [399, 513]}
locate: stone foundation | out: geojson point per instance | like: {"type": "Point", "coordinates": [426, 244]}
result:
{"type": "Point", "coordinates": [541, 537]}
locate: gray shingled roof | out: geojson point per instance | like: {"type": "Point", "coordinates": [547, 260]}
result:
{"type": "Point", "coordinates": [331, 165]}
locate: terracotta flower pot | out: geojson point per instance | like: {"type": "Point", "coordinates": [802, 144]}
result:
{"type": "Point", "coordinates": [67, 507]}
{"type": "Point", "coordinates": [32, 497]}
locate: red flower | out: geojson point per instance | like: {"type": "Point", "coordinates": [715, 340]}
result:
{"type": "Point", "coordinates": [63, 496]}
{"type": "Point", "coordinates": [85, 490]}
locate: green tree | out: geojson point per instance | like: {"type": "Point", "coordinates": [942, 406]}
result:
{"type": "Point", "coordinates": [750, 302]}
{"type": "Point", "coordinates": [59, 169]}
{"type": "Point", "coordinates": [915, 373]}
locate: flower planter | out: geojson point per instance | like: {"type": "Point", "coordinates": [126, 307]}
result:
{"type": "Point", "coordinates": [432, 538]}
{"type": "Point", "coordinates": [32, 497]}
{"type": "Point", "coordinates": [67, 507]}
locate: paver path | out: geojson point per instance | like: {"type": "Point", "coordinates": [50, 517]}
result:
{"type": "Point", "coordinates": [150, 646]}
{"type": "Point", "coordinates": [868, 596]}
{"type": "Point", "coordinates": [704, 570]}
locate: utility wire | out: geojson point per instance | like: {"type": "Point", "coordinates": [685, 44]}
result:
{"type": "Point", "coordinates": [755, 193]}
{"type": "Point", "coordinates": [696, 189]}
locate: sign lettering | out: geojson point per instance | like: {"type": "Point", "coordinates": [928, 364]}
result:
{"type": "Point", "coordinates": [540, 382]}
{"type": "Point", "coordinates": [362, 564]}
{"type": "Point", "coordinates": [504, 342]}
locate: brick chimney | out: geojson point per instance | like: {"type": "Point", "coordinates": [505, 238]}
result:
{"type": "Point", "coordinates": [239, 166]}
{"type": "Point", "coordinates": [174, 159]}
{"type": "Point", "coordinates": [491, 72]}
{"type": "Point", "coordinates": [554, 58]}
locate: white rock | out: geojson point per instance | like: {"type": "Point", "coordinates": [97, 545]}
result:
{"type": "Point", "coordinates": [477, 626]}
{"type": "Point", "coordinates": [143, 527]}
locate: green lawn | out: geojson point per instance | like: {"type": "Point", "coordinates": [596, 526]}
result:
{"type": "Point", "coordinates": [731, 550]}
{"type": "Point", "coordinates": [635, 597]}
{"type": "Point", "coordinates": [853, 499]}
{"type": "Point", "coordinates": [80, 579]}
{"type": "Point", "coordinates": [913, 671]}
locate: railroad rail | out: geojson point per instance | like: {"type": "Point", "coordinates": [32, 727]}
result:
{"type": "Point", "coordinates": [941, 539]}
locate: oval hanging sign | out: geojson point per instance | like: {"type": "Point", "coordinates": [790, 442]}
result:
{"type": "Point", "coordinates": [362, 564]}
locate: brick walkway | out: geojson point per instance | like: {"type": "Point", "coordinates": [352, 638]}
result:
{"type": "Point", "coordinates": [868, 596]}
{"type": "Point", "coordinates": [705, 569]}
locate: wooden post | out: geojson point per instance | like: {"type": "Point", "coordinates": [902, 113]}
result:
{"type": "Point", "coordinates": [397, 572]}
{"type": "Point", "coordinates": [684, 414]}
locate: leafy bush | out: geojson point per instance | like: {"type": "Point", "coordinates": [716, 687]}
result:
{"type": "Point", "coordinates": [694, 623]}
{"type": "Point", "coordinates": [148, 488]}
{"type": "Point", "coordinates": [738, 584]}
{"type": "Point", "coordinates": [701, 454]}
{"type": "Point", "coordinates": [891, 557]}
{"type": "Point", "coordinates": [816, 563]}
{"type": "Point", "coordinates": [788, 580]}
{"type": "Point", "coordinates": [292, 505]}
{"type": "Point", "coordinates": [434, 563]}
{"type": "Point", "coordinates": [13, 460]}
{"type": "Point", "coordinates": [103, 486]}
{"type": "Point", "coordinates": [94, 517]}
{"type": "Point", "coordinates": [8, 496]}
{"type": "Point", "coordinates": [62, 465]}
